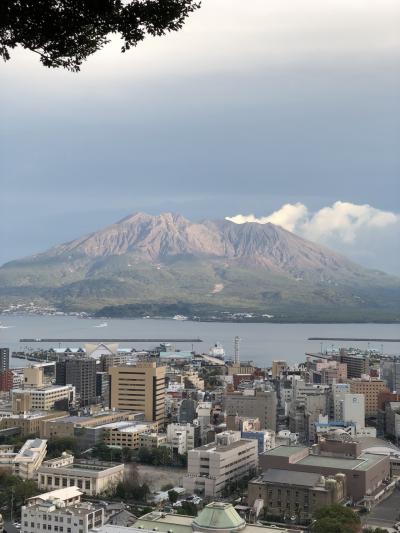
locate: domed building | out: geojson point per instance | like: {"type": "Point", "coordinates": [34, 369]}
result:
{"type": "Point", "coordinates": [216, 517]}
{"type": "Point", "coordinates": [219, 517]}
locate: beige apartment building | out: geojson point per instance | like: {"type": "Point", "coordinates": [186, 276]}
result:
{"type": "Point", "coordinates": [277, 368]}
{"type": "Point", "coordinates": [127, 434]}
{"type": "Point", "coordinates": [139, 388]}
{"type": "Point", "coordinates": [29, 423]}
{"type": "Point", "coordinates": [91, 477]}
{"type": "Point", "coordinates": [25, 462]}
{"type": "Point", "coordinates": [152, 440]}
{"type": "Point", "coordinates": [33, 376]}
{"type": "Point", "coordinates": [213, 467]}
{"type": "Point", "coordinates": [370, 387]}
{"type": "Point", "coordinates": [40, 399]}
{"type": "Point", "coordinates": [65, 426]}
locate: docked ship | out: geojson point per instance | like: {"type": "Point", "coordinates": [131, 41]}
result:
{"type": "Point", "coordinates": [217, 351]}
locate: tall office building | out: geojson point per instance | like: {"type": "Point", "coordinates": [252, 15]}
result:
{"type": "Point", "coordinates": [357, 364]}
{"type": "Point", "coordinates": [370, 387]}
{"type": "Point", "coordinates": [4, 359]}
{"type": "Point", "coordinates": [81, 373]}
{"type": "Point", "coordinates": [139, 388]}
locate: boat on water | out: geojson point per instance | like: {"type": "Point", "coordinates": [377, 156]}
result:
{"type": "Point", "coordinates": [3, 326]}
{"type": "Point", "coordinates": [102, 325]}
{"type": "Point", "coordinates": [217, 351]}
{"type": "Point", "coordinates": [179, 317]}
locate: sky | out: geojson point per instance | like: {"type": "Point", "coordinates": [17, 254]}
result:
{"type": "Point", "coordinates": [274, 110]}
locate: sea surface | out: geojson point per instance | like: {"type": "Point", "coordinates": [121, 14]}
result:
{"type": "Point", "coordinates": [261, 343]}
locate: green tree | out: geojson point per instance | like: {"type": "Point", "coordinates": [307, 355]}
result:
{"type": "Point", "coordinates": [107, 453]}
{"type": "Point", "coordinates": [64, 33]}
{"type": "Point", "coordinates": [126, 455]}
{"type": "Point", "coordinates": [172, 496]}
{"type": "Point", "coordinates": [188, 508]}
{"type": "Point", "coordinates": [57, 445]}
{"type": "Point", "coordinates": [336, 519]}
{"type": "Point", "coordinates": [15, 491]}
{"type": "Point", "coordinates": [145, 455]}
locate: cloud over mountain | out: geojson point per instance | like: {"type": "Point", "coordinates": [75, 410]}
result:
{"type": "Point", "coordinates": [364, 232]}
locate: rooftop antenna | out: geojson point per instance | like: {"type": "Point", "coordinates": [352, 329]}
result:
{"type": "Point", "coordinates": [237, 354]}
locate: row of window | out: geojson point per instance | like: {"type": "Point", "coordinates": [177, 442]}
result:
{"type": "Point", "coordinates": [64, 482]}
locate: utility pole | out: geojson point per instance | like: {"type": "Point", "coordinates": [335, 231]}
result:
{"type": "Point", "coordinates": [12, 505]}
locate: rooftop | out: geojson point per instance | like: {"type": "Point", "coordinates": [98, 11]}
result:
{"type": "Point", "coordinates": [285, 451]}
{"type": "Point", "coordinates": [219, 515]}
{"type": "Point", "coordinates": [44, 388]}
{"type": "Point", "coordinates": [127, 426]}
{"type": "Point", "coordinates": [305, 479]}
{"type": "Point", "coordinates": [215, 516]}
{"type": "Point", "coordinates": [59, 494]}
{"type": "Point", "coordinates": [214, 447]}
{"type": "Point", "coordinates": [364, 462]}
{"type": "Point", "coordinates": [85, 467]}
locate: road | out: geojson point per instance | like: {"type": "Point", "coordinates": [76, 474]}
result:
{"type": "Point", "coordinates": [386, 513]}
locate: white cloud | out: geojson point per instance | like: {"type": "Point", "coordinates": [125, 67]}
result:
{"type": "Point", "coordinates": [288, 216]}
{"type": "Point", "coordinates": [362, 232]}
{"type": "Point", "coordinates": [342, 219]}
{"type": "Point", "coordinates": [345, 220]}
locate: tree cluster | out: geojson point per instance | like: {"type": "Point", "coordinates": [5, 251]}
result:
{"type": "Point", "coordinates": [336, 519]}
{"type": "Point", "coordinates": [57, 445]}
{"type": "Point", "coordinates": [188, 508]}
{"type": "Point", "coordinates": [14, 492]}
{"type": "Point", "coordinates": [64, 33]}
{"type": "Point", "coordinates": [160, 457]}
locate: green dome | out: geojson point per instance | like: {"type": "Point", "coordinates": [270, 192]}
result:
{"type": "Point", "coordinates": [218, 516]}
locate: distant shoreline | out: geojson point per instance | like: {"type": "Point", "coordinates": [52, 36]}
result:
{"type": "Point", "coordinates": [205, 319]}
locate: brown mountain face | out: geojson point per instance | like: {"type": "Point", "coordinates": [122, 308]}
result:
{"type": "Point", "coordinates": [158, 238]}
{"type": "Point", "coordinates": [169, 260]}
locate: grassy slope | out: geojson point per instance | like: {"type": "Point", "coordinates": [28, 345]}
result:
{"type": "Point", "coordinates": [187, 285]}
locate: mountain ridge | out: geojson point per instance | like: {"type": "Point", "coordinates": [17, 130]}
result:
{"type": "Point", "coordinates": [164, 259]}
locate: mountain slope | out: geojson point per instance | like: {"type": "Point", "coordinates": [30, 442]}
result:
{"type": "Point", "coordinates": [203, 268]}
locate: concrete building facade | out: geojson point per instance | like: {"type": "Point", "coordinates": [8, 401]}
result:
{"type": "Point", "coordinates": [41, 399]}
{"type": "Point", "coordinates": [62, 511]}
{"type": "Point", "coordinates": [371, 388]}
{"type": "Point", "coordinates": [213, 467]}
{"type": "Point", "coordinates": [91, 477]}
{"type": "Point", "coordinates": [365, 473]}
{"type": "Point", "coordinates": [26, 461]}
{"type": "Point", "coordinates": [253, 404]}
{"type": "Point", "coordinates": [288, 494]}
{"type": "Point", "coordinates": [81, 373]}
{"type": "Point", "coordinates": [127, 434]}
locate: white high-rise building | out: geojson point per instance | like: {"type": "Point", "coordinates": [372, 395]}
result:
{"type": "Point", "coordinates": [354, 409]}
